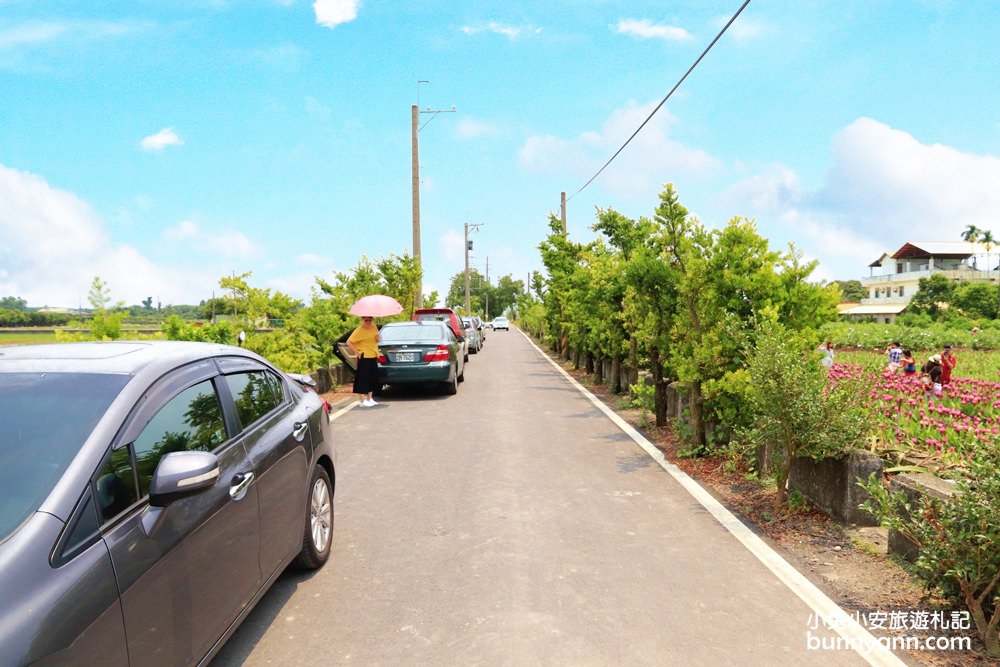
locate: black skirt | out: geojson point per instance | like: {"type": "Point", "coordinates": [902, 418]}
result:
{"type": "Point", "coordinates": [366, 377]}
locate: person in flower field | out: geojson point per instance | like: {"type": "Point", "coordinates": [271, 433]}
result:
{"type": "Point", "coordinates": [930, 376]}
{"type": "Point", "coordinates": [895, 354]}
{"type": "Point", "coordinates": [948, 362]}
{"type": "Point", "coordinates": [828, 353]}
{"type": "Point", "coordinates": [909, 364]}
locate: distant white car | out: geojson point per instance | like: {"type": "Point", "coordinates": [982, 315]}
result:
{"type": "Point", "coordinates": [501, 323]}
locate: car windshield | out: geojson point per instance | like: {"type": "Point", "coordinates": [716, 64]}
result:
{"type": "Point", "coordinates": [46, 418]}
{"type": "Point", "coordinates": [411, 334]}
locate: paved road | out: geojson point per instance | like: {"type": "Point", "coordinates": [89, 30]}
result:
{"type": "Point", "coordinates": [516, 524]}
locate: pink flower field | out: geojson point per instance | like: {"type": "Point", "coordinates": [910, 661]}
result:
{"type": "Point", "coordinates": [923, 426]}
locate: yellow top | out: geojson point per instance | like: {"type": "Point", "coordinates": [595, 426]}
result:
{"type": "Point", "coordinates": [364, 341]}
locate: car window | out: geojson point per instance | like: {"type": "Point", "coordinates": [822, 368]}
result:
{"type": "Point", "coordinates": [116, 487]}
{"type": "Point", "coordinates": [434, 317]}
{"type": "Point", "coordinates": [256, 393]}
{"type": "Point", "coordinates": [46, 418]}
{"type": "Point", "coordinates": [191, 420]}
{"type": "Point", "coordinates": [410, 334]}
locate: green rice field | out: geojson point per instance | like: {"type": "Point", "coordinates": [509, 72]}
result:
{"type": "Point", "coordinates": [27, 338]}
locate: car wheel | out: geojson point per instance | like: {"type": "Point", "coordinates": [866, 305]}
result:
{"type": "Point", "coordinates": [318, 534]}
{"type": "Point", "coordinates": [451, 387]}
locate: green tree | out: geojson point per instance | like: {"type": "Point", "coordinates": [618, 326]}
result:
{"type": "Point", "coordinates": [971, 234]}
{"type": "Point", "coordinates": [850, 290]}
{"type": "Point", "coordinates": [106, 320]}
{"type": "Point", "coordinates": [559, 257]}
{"type": "Point", "coordinates": [254, 305]}
{"type": "Point", "coordinates": [794, 405]}
{"type": "Point", "coordinates": [934, 293]}
{"type": "Point", "coordinates": [478, 289]}
{"type": "Point", "coordinates": [977, 300]}
{"type": "Point", "coordinates": [13, 303]}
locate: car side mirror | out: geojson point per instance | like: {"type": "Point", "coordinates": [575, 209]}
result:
{"type": "Point", "coordinates": [181, 475]}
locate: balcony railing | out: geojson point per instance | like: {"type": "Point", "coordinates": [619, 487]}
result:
{"type": "Point", "coordinates": [950, 274]}
{"type": "Point", "coordinates": [885, 300]}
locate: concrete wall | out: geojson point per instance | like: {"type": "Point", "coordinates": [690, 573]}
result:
{"type": "Point", "coordinates": [916, 487]}
{"type": "Point", "coordinates": [831, 484]}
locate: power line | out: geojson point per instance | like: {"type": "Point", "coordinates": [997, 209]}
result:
{"type": "Point", "coordinates": [664, 100]}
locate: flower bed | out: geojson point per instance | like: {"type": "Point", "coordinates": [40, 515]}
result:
{"type": "Point", "coordinates": [936, 431]}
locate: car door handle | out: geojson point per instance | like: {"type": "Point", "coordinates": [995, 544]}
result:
{"type": "Point", "coordinates": [299, 431]}
{"type": "Point", "coordinates": [240, 484]}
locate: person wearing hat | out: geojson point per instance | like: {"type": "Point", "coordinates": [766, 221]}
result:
{"type": "Point", "coordinates": [948, 362]}
{"type": "Point", "coordinates": [930, 376]}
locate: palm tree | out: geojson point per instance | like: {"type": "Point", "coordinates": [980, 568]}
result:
{"type": "Point", "coordinates": [986, 238]}
{"type": "Point", "coordinates": [970, 236]}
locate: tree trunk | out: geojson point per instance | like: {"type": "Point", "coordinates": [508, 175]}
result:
{"type": "Point", "coordinates": [659, 388]}
{"type": "Point", "coordinates": [616, 374]}
{"type": "Point", "coordinates": [633, 363]}
{"type": "Point", "coordinates": [694, 408]}
{"type": "Point", "coordinates": [781, 496]}
{"type": "Point", "coordinates": [589, 363]}
{"type": "Point", "coordinates": [598, 365]}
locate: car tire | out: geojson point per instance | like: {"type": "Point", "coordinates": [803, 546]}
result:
{"type": "Point", "coordinates": [317, 537]}
{"type": "Point", "coordinates": [451, 387]}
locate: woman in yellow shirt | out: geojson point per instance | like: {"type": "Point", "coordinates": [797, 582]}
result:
{"type": "Point", "coordinates": [364, 343]}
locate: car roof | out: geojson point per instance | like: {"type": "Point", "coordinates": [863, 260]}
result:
{"type": "Point", "coordinates": [433, 310]}
{"type": "Point", "coordinates": [127, 357]}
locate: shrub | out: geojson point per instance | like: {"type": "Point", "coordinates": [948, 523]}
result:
{"type": "Point", "coordinates": [796, 407]}
{"type": "Point", "coordinates": [959, 540]}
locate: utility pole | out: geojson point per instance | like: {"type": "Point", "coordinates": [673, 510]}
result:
{"type": "Point", "coordinates": [562, 209]}
{"type": "Point", "coordinates": [415, 170]}
{"type": "Point", "coordinates": [468, 247]}
{"type": "Point", "coordinates": [415, 128]}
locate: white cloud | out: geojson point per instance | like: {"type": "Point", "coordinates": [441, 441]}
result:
{"type": "Point", "coordinates": [160, 140]}
{"type": "Point", "coordinates": [31, 34]}
{"type": "Point", "coordinates": [470, 128]}
{"type": "Point", "coordinates": [331, 13]}
{"type": "Point", "coordinates": [313, 260]}
{"type": "Point", "coordinates": [452, 245]}
{"type": "Point", "coordinates": [54, 245]}
{"type": "Point", "coordinates": [508, 31]}
{"type": "Point", "coordinates": [651, 159]}
{"type": "Point", "coordinates": [645, 29]}
{"type": "Point", "coordinates": [286, 57]}
{"type": "Point", "coordinates": [226, 243]}
{"type": "Point", "coordinates": [742, 29]}
{"type": "Point", "coordinates": [884, 188]}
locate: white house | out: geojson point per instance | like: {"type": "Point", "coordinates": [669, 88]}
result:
{"type": "Point", "coordinates": [894, 278]}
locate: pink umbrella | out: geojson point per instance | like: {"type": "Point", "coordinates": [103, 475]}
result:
{"type": "Point", "coordinates": [376, 305]}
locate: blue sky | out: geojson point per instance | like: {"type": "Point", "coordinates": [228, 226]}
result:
{"type": "Point", "coordinates": [162, 144]}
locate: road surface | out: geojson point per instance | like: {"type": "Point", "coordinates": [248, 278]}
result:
{"type": "Point", "coordinates": [517, 524]}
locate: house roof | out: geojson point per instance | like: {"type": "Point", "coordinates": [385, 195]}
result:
{"type": "Point", "coordinates": [876, 309]}
{"type": "Point", "coordinates": [878, 262]}
{"type": "Point", "coordinates": [944, 249]}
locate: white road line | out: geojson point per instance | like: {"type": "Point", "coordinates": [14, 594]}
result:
{"type": "Point", "coordinates": [825, 608]}
{"type": "Point", "coordinates": [350, 406]}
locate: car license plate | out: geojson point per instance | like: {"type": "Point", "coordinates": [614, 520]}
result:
{"type": "Point", "coordinates": [406, 356]}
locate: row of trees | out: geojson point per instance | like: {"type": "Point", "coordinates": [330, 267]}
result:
{"type": "Point", "coordinates": [295, 336]}
{"type": "Point", "coordinates": [683, 301]}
